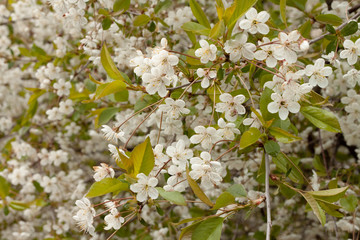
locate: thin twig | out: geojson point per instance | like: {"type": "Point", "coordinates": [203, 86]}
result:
{"type": "Point", "coordinates": [337, 29]}
{"type": "Point", "coordinates": [267, 195]}
{"type": "Point", "coordinates": [185, 85]}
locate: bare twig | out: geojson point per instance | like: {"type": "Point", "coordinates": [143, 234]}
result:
{"type": "Point", "coordinates": [267, 195]}
{"type": "Point", "coordinates": [337, 29]}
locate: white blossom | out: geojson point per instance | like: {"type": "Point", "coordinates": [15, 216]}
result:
{"type": "Point", "coordinates": [255, 22]}
{"type": "Point", "coordinates": [145, 187]}
{"type": "Point", "coordinates": [207, 52]}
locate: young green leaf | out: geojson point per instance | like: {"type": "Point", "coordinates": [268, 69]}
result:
{"type": "Point", "coordinates": [282, 135]}
{"type": "Point", "coordinates": [321, 118]}
{"type": "Point", "coordinates": [249, 137]}
{"type": "Point", "coordinates": [283, 11]}
{"type": "Point", "coordinates": [349, 203]}
{"type": "Point", "coordinates": [329, 19]}
{"type": "Point", "coordinates": [197, 190]}
{"type": "Point", "coordinates": [106, 185]}
{"type": "Point", "coordinates": [319, 213]}
{"type": "Point", "coordinates": [196, 28]}
{"type": "Point", "coordinates": [109, 65]}
{"type": "Point", "coordinates": [4, 187]}
{"type": "Point", "coordinates": [217, 30]}
{"type": "Point", "coordinates": [121, 5]}
{"type": "Point", "coordinates": [199, 13]}
{"type": "Point", "coordinates": [223, 200]}
{"type": "Point", "coordinates": [174, 196]}
{"type": "Point", "coordinates": [210, 229]}
{"type": "Point", "coordinates": [141, 20]}
{"type": "Point", "coordinates": [237, 190]}
{"type": "Point", "coordinates": [330, 195]}
{"type": "Point", "coordinates": [142, 159]}
{"type": "Point", "coordinates": [272, 147]}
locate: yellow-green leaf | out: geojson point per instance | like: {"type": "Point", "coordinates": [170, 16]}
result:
{"type": "Point", "coordinates": [109, 65]}
{"type": "Point", "coordinates": [217, 30]}
{"type": "Point", "coordinates": [199, 13]}
{"type": "Point", "coordinates": [197, 190]}
{"type": "Point", "coordinates": [249, 137]}
{"type": "Point", "coordinates": [106, 185]}
{"type": "Point", "coordinates": [110, 88]}
{"type": "Point", "coordinates": [141, 20]}
{"type": "Point", "coordinates": [283, 136]}
{"type": "Point", "coordinates": [321, 118]}
{"type": "Point", "coordinates": [330, 195]}
{"type": "Point", "coordinates": [223, 200]}
{"type": "Point", "coordinates": [283, 10]}
{"type": "Point", "coordinates": [173, 196]}
{"type": "Point", "coordinates": [210, 229]}
{"type": "Point", "coordinates": [319, 213]}
{"type": "Point", "coordinates": [141, 159]}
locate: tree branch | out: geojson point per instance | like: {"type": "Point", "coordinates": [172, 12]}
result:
{"type": "Point", "coordinates": [267, 195]}
{"type": "Point", "coordinates": [337, 29]}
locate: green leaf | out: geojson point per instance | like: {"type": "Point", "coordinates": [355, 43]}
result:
{"type": "Point", "coordinates": [350, 28]}
{"type": "Point", "coordinates": [121, 5]}
{"type": "Point", "coordinates": [305, 29]}
{"type": "Point", "coordinates": [162, 5]}
{"type": "Point", "coordinates": [240, 7]}
{"type": "Point", "coordinates": [272, 148]}
{"type": "Point", "coordinates": [18, 206]}
{"type": "Point", "coordinates": [321, 118]}
{"type": "Point", "coordinates": [283, 10]}
{"type": "Point", "coordinates": [318, 164]}
{"type": "Point", "coordinates": [106, 115]}
{"type": "Point", "coordinates": [284, 163]}
{"type": "Point", "coordinates": [141, 20]}
{"type": "Point", "coordinates": [217, 30]}
{"type": "Point", "coordinates": [282, 135]}
{"type": "Point", "coordinates": [109, 65]}
{"type": "Point", "coordinates": [110, 88]}
{"type": "Point", "coordinates": [174, 197]}
{"type": "Point", "coordinates": [330, 28]}
{"type": "Point", "coordinates": [141, 159]}
{"type": "Point", "coordinates": [330, 195]}
{"type": "Point", "coordinates": [249, 137]}
{"type": "Point", "coordinates": [106, 185]}
{"type": "Point", "coordinates": [197, 190]}
{"type": "Point", "coordinates": [199, 13]}
{"type": "Point", "coordinates": [329, 19]}
{"type": "Point", "coordinates": [330, 208]}
{"type": "Point", "coordinates": [106, 23]}
{"type": "Point", "coordinates": [186, 232]}
{"type": "Point", "coordinates": [122, 96]}
{"type": "Point", "coordinates": [223, 200]}
{"type": "Point", "coordinates": [4, 187]}
{"type": "Point", "coordinates": [196, 28]}
{"type": "Point", "coordinates": [349, 203]}
{"type": "Point", "coordinates": [237, 190]}
{"type": "Point", "coordinates": [210, 229]}
{"type": "Point", "coordinates": [319, 213]}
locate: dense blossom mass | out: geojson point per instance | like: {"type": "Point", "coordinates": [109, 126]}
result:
{"type": "Point", "coordinates": [188, 119]}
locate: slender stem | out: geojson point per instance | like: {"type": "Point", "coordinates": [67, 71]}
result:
{"type": "Point", "coordinates": [323, 154]}
{"type": "Point", "coordinates": [337, 29]}
{"type": "Point", "coordinates": [118, 127]}
{"type": "Point", "coordinates": [137, 127]}
{"type": "Point", "coordinates": [161, 120]}
{"type": "Point", "coordinates": [185, 85]}
{"type": "Point", "coordinates": [267, 195]}
{"type": "Point", "coordinates": [237, 145]}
